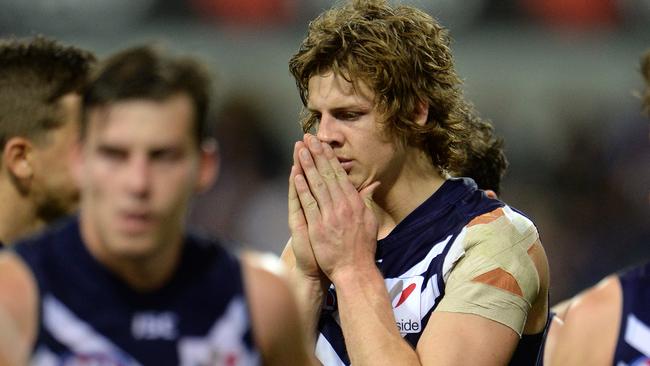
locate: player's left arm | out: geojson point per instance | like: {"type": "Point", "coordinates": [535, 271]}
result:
{"type": "Point", "coordinates": [276, 326]}
{"type": "Point", "coordinates": [497, 291]}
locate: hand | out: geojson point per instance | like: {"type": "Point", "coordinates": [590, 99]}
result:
{"type": "Point", "coordinates": [341, 225]}
{"type": "Point", "coordinates": [299, 244]}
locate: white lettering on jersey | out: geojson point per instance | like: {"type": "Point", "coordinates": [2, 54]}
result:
{"type": "Point", "coordinates": [151, 325]}
{"type": "Point", "coordinates": [405, 300]}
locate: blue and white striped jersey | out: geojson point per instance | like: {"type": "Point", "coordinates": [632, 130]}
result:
{"type": "Point", "coordinates": [89, 316]}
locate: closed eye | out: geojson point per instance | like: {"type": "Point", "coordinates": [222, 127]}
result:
{"type": "Point", "coordinates": [348, 115]}
{"type": "Point", "coordinates": [170, 154]}
{"type": "Point", "coordinates": [112, 153]}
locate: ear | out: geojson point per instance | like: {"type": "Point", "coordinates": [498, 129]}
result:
{"type": "Point", "coordinates": [208, 165]}
{"type": "Point", "coordinates": [491, 194]}
{"type": "Point", "coordinates": [16, 157]}
{"type": "Point", "coordinates": [422, 113]}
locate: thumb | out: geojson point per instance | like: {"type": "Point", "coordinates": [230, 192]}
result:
{"type": "Point", "coordinates": [366, 194]}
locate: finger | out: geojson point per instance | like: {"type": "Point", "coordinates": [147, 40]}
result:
{"type": "Point", "coordinates": [296, 217]}
{"type": "Point", "coordinates": [307, 200]}
{"type": "Point", "coordinates": [324, 167]}
{"type": "Point", "coordinates": [315, 181]}
{"type": "Point", "coordinates": [367, 193]}
{"type": "Point", "coordinates": [296, 160]}
{"type": "Point", "coordinates": [342, 178]}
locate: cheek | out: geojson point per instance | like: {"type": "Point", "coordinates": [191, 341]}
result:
{"type": "Point", "coordinates": [173, 188]}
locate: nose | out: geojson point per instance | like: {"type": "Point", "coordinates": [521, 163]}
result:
{"type": "Point", "coordinates": [138, 176]}
{"type": "Point", "coordinates": [329, 131]}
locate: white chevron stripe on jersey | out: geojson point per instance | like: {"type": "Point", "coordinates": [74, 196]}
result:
{"type": "Point", "coordinates": [326, 353]}
{"type": "Point", "coordinates": [424, 264]}
{"type": "Point", "coordinates": [456, 251]}
{"type": "Point", "coordinates": [637, 335]}
{"type": "Point", "coordinates": [429, 295]}
{"type": "Point", "coordinates": [77, 335]}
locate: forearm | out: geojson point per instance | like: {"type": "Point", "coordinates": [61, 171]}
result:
{"type": "Point", "coordinates": [368, 323]}
{"type": "Point", "coordinates": [309, 295]}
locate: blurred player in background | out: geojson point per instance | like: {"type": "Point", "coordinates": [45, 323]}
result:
{"type": "Point", "coordinates": [40, 82]}
{"type": "Point", "coordinates": [608, 324]}
{"type": "Point", "coordinates": [485, 160]}
{"type": "Point", "coordinates": [124, 283]}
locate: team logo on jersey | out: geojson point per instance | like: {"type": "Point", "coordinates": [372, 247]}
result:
{"type": "Point", "coordinates": [152, 325]}
{"type": "Point", "coordinates": [405, 299]}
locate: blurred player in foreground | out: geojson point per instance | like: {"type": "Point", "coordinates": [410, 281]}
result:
{"type": "Point", "coordinates": [40, 82]}
{"type": "Point", "coordinates": [124, 283]}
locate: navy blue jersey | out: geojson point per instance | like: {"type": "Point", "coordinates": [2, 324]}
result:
{"type": "Point", "coordinates": [90, 316]}
{"type": "Point", "coordinates": [416, 259]}
{"type": "Point", "coordinates": [633, 345]}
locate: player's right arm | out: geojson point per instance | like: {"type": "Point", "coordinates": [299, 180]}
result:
{"type": "Point", "coordinates": [308, 282]}
{"type": "Point", "coordinates": [18, 310]}
{"type": "Point", "coordinates": [590, 327]}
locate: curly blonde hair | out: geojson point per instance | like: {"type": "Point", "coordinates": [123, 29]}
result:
{"type": "Point", "coordinates": [403, 55]}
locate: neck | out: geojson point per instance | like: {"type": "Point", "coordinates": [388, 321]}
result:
{"type": "Point", "coordinates": [18, 216]}
{"type": "Point", "coordinates": [142, 272]}
{"type": "Point", "coordinates": [414, 184]}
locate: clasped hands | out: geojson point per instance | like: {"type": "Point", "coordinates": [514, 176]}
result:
{"type": "Point", "coordinates": [333, 226]}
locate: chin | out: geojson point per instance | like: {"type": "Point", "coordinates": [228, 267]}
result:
{"type": "Point", "coordinates": [133, 248]}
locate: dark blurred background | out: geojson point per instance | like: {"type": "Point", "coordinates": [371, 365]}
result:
{"type": "Point", "coordinates": [557, 77]}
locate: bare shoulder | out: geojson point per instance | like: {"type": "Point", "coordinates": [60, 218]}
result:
{"type": "Point", "coordinates": [18, 309]}
{"type": "Point", "coordinates": [274, 312]}
{"type": "Point", "coordinates": [596, 306]}
{"type": "Point", "coordinates": [288, 257]}
{"type": "Point", "coordinates": [590, 326]}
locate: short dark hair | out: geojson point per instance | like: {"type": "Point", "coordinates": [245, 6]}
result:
{"type": "Point", "coordinates": [34, 74]}
{"type": "Point", "coordinates": [403, 55]}
{"type": "Point", "coordinates": [486, 161]}
{"type": "Point", "coordinates": [146, 72]}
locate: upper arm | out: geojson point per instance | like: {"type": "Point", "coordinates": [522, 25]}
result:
{"type": "Point", "coordinates": [276, 325]}
{"type": "Point", "coordinates": [18, 310]}
{"type": "Point", "coordinates": [502, 274]}
{"type": "Point", "coordinates": [465, 339]}
{"type": "Point", "coordinates": [589, 329]}
{"type": "Point", "coordinates": [494, 292]}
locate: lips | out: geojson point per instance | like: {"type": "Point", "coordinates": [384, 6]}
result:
{"type": "Point", "coordinates": [135, 222]}
{"type": "Point", "coordinates": [346, 164]}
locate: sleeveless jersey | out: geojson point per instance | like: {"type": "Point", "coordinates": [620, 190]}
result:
{"type": "Point", "coordinates": [87, 315]}
{"type": "Point", "coordinates": [633, 345]}
{"type": "Point", "coordinates": [415, 260]}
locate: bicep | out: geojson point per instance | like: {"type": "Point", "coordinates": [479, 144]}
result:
{"type": "Point", "coordinates": [465, 339]}
{"type": "Point", "coordinates": [276, 328]}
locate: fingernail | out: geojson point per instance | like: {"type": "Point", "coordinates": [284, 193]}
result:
{"type": "Point", "coordinates": [304, 154]}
